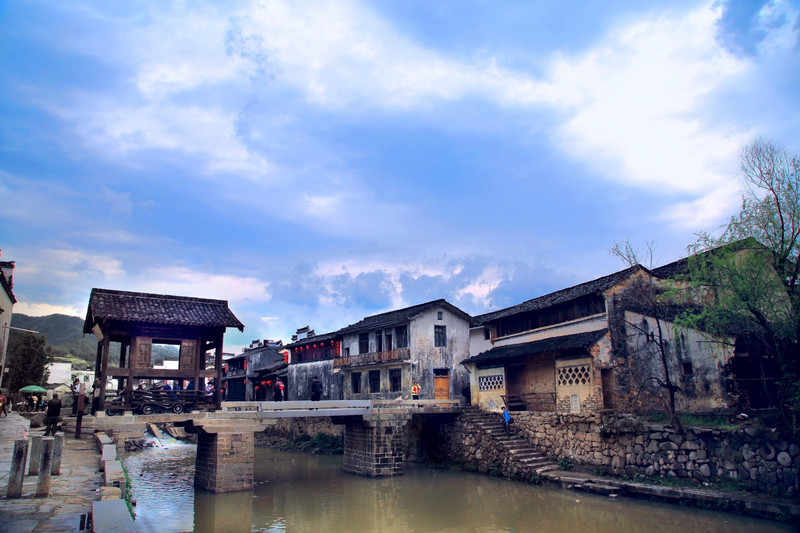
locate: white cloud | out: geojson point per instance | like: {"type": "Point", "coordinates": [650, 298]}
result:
{"type": "Point", "coordinates": [42, 309]}
{"type": "Point", "coordinates": [185, 282]}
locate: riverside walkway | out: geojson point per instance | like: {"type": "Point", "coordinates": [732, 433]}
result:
{"type": "Point", "coordinates": [71, 493]}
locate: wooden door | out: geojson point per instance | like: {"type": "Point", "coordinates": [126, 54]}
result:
{"type": "Point", "coordinates": [441, 387]}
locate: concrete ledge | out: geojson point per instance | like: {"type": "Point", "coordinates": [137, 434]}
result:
{"type": "Point", "coordinates": [112, 516]}
{"type": "Point", "coordinates": [110, 493]}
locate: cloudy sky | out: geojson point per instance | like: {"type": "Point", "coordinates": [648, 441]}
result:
{"type": "Point", "coordinates": [317, 162]}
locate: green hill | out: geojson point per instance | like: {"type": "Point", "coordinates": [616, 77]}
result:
{"type": "Point", "coordinates": [65, 334]}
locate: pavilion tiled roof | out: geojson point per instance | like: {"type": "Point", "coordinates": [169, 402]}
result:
{"type": "Point", "coordinates": [567, 343]}
{"type": "Point", "coordinates": [164, 309]}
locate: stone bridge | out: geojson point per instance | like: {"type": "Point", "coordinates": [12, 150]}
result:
{"type": "Point", "coordinates": [373, 436]}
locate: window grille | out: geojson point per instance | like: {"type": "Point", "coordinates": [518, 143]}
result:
{"type": "Point", "coordinates": [490, 382]}
{"type": "Point", "coordinates": [574, 375]}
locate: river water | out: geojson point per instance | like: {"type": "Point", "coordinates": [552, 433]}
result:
{"type": "Point", "coordinates": [310, 493]}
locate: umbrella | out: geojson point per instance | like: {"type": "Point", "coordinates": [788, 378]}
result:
{"type": "Point", "coordinates": [33, 389]}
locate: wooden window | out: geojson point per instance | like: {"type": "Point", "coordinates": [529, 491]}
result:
{"type": "Point", "coordinates": [439, 315]}
{"type": "Point", "coordinates": [363, 343]}
{"type": "Point", "coordinates": [355, 382]}
{"type": "Point", "coordinates": [379, 341]}
{"type": "Point", "coordinates": [374, 381]}
{"type": "Point", "coordinates": [440, 336]}
{"type": "Point", "coordinates": [395, 382]}
{"type": "Point", "coordinates": [402, 336]}
{"type": "Point", "coordinates": [389, 339]}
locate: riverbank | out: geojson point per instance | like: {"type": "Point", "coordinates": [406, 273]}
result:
{"type": "Point", "coordinates": [71, 493]}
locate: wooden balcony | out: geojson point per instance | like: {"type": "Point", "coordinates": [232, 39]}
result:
{"type": "Point", "coordinates": [389, 356]}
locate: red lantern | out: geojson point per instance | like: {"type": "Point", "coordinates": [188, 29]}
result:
{"type": "Point", "coordinates": [245, 380]}
{"type": "Point", "coordinates": [256, 387]}
{"type": "Point", "coordinates": [263, 382]}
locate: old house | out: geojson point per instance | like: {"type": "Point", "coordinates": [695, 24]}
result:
{"type": "Point", "coordinates": [382, 355]}
{"type": "Point", "coordinates": [249, 376]}
{"type": "Point", "coordinates": [310, 356]}
{"type": "Point", "coordinates": [128, 324]}
{"type": "Point", "coordinates": [7, 301]}
{"type": "Point", "coordinates": [593, 346]}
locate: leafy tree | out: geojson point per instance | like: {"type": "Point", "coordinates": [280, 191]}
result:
{"type": "Point", "coordinates": [749, 282]}
{"type": "Point", "coordinates": [27, 362]}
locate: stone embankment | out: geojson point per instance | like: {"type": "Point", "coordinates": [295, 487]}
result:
{"type": "Point", "coordinates": [626, 446]}
{"type": "Point", "coordinates": [477, 440]}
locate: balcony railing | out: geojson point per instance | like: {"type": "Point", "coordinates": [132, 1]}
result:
{"type": "Point", "coordinates": [388, 356]}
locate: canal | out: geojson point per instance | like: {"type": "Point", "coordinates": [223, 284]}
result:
{"type": "Point", "coordinates": [310, 493]}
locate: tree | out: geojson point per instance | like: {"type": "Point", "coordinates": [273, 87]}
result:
{"type": "Point", "coordinates": [650, 297]}
{"type": "Point", "coordinates": [751, 278]}
{"type": "Point", "coordinates": [27, 362]}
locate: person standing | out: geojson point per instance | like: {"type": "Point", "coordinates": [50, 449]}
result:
{"type": "Point", "coordinates": [316, 390]}
{"type": "Point", "coordinates": [3, 402]}
{"type": "Point", "coordinates": [415, 391]}
{"type": "Point", "coordinates": [277, 391]}
{"type": "Point", "coordinates": [76, 389]}
{"type": "Point", "coordinates": [95, 395]}
{"type": "Point", "coordinates": [52, 416]}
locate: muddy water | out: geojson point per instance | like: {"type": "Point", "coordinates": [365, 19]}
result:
{"type": "Point", "coordinates": [306, 493]}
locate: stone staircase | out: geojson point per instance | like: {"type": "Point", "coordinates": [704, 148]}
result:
{"type": "Point", "coordinates": [524, 457]}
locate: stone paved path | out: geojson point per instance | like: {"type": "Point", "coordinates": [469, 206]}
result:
{"type": "Point", "coordinates": [71, 493]}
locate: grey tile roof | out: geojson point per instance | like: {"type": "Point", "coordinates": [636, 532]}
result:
{"type": "Point", "coordinates": [401, 316]}
{"type": "Point", "coordinates": [158, 309]}
{"type": "Point", "coordinates": [568, 343]}
{"type": "Point", "coordinates": [561, 296]}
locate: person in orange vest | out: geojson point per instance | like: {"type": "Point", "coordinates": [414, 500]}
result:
{"type": "Point", "coordinates": [415, 391]}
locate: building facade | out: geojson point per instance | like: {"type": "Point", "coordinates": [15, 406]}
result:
{"type": "Point", "coordinates": [595, 346]}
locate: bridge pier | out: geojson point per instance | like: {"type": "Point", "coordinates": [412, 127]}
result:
{"type": "Point", "coordinates": [224, 460]}
{"type": "Point", "coordinates": [373, 446]}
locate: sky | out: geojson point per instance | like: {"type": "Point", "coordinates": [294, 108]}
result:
{"type": "Point", "coordinates": [314, 163]}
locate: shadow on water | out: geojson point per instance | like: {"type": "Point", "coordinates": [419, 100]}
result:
{"type": "Point", "coordinates": [300, 492]}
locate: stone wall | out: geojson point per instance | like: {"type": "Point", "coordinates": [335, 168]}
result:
{"type": "Point", "coordinates": [460, 442]}
{"type": "Point", "coordinates": [224, 462]}
{"type": "Point", "coordinates": [294, 427]}
{"type": "Point", "coordinates": [623, 445]}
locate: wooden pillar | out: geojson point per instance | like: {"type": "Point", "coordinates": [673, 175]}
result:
{"type": "Point", "coordinates": [218, 368]}
{"type": "Point", "coordinates": [103, 374]}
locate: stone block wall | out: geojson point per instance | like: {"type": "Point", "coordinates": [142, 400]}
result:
{"type": "Point", "coordinates": [224, 461]}
{"type": "Point", "coordinates": [623, 445]}
{"type": "Point", "coordinates": [463, 443]}
{"type": "Point", "coordinates": [374, 448]}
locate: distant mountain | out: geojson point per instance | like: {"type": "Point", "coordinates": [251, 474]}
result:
{"type": "Point", "coordinates": [65, 334]}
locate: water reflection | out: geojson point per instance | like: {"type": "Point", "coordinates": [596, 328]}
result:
{"type": "Point", "coordinates": [298, 493]}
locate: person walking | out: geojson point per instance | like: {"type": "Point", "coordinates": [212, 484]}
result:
{"type": "Point", "coordinates": [506, 420]}
{"type": "Point", "coordinates": [52, 416]}
{"type": "Point", "coordinates": [316, 390]}
{"type": "Point", "coordinates": [415, 391]}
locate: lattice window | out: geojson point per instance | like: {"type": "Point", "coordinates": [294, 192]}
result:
{"type": "Point", "coordinates": [490, 382]}
{"type": "Point", "coordinates": [574, 375]}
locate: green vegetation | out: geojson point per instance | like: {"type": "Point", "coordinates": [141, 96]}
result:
{"type": "Point", "coordinates": [320, 443]}
{"type": "Point", "coordinates": [27, 360]}
{"type": "Point", "coordinates": [128, 493]}
{"type": "Point", "coordinates": [752, 285]}
{"type": "Point", "coordinates": [566, 463]}
{"type": "Point", "coordinates": [695, 420]}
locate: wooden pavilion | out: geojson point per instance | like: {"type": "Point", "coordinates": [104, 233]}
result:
{"type": "Point", "coordinates": [136, 321]}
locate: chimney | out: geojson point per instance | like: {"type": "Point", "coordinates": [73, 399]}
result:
{"type": "Point", "coordinates": [7, 267]}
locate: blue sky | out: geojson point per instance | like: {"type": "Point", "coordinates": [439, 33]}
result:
{"type": "Point", "coordinates": [317, 162]}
